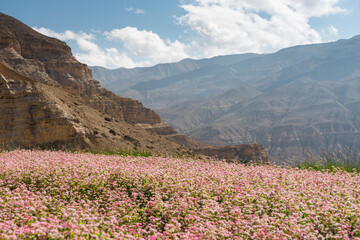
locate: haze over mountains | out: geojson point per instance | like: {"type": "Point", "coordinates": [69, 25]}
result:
{"type": "Point", "coordinates": [50, 100]}
{"type": "Point", "coordinates": [292, 101]}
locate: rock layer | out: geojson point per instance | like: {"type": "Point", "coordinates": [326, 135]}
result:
{"type": "Point", "coordinates": [50, 61]}
{"type": "Point", "coordinates": [36, 114]}
{"type": "Point", "coordinates": [48, 98]}
{"type": "Point", "coordinates": [244, 153]}
{"type": "Point", "coordinates": [28, 118]}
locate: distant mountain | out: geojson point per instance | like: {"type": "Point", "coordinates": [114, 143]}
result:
{"type": "Point", "coordinates": [50, 100]}
{"type": "Point", "coordinates": [293, 101]}
{"type": "Point", "coordinates": [159, 86]}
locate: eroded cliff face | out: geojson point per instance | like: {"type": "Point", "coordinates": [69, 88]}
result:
{"type": "Point", "coordinates": [244, 153]}
{"type": "Point", "coordinates": [50, 61]}
{"type": "Point", "coordinates": [47, 97]}
{"type": "Point", "coordinates": [27, 118]}
{"type": "Point", "coordinates": [36, 114]}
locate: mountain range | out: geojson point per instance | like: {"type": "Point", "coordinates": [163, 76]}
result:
{"type": "Point", "coordinates": [48, 99]}
{"type": "Point", "coordinates": [295, 101]}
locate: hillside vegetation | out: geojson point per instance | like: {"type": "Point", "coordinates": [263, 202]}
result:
{"type": "Point", "coordinates": [56, 195]}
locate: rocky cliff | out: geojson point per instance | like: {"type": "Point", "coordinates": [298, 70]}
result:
{"type": "Point", "coordinates": [36, 114]}
{"type": "Point", "coordinates": [27, 118]}
{"type": "Point", "coordinates": [245, 153]}
{"type": "Point", "coordinates": [48, 98]}
{"type": "Point", "coordinates": [50, 61]}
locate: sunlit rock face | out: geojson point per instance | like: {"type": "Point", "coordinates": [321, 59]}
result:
{"type": "Point", "coordinates": [48, 98]}
{"type": "Point", "coordinates": [50, 61]}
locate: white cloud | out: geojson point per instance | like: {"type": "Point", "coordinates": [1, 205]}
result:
{"type": "Point", "coordinates": [110, 57]}
{"type": "Point", "coordinates": [214, 27]}
{"type": "Point", "coordinates": [144, 45]}
{"type": "Point", "coordinates": [64, 36]}
{"type": "Point", "coordinates": [136, 11]}
{"type": "Point", "coordinates": [139, 11]}
{"type": "Point", "coordinates": [232, 26]}
{"type": "Point", "coordinates": [148, 45]}
{"type": "Point", "coordinates": [330, 31]}
{"type": "Point", "coordinates": [91, 53]}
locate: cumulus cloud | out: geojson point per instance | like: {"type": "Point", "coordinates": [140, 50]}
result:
{"type": "Point", "coordinates": [64, 36]}
{"type": "Point", "coordinates": [148, 45]}
{"type": "Point", "coordinates": [91, 53]}
{"type": "Point", "coordinates": [232, 26]}
{"type": "Point", "coordinates": [110, 57]}
{"type": "Point", "coordinates": [213, 27]}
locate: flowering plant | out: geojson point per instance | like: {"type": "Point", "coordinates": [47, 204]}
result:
{"type": "Point", "coordinates": [56, 195]}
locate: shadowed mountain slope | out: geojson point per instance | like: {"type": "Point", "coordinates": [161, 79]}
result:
{"type": "Point", "coordinates": [49, 99]}
{"type": "Point", "coordinates": [293, 101]}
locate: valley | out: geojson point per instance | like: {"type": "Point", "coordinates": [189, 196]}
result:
{"type": "Point", "coordinates": [295, 101]}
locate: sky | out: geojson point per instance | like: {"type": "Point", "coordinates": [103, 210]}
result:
{"type": "Point", "coordinates": [138, 33]}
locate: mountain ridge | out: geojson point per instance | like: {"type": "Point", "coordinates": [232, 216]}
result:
{"type": "Point", "coordinates": [274, 114]}
{"type": "Point", "coordinates": [50, 100]}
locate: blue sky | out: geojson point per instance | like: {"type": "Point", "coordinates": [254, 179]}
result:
{"type": "Point", "coordinates": [131, 33]}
